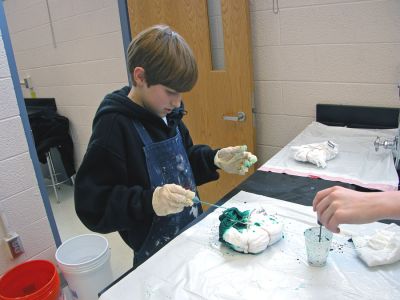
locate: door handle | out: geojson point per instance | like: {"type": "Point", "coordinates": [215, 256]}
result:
{"type": "Point", "coordinates": [241, 116]}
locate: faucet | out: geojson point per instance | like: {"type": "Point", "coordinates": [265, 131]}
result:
{"type": "Point", "coordinates": [393, 144]}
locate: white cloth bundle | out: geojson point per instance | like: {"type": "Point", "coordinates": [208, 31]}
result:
{"type": "Point", "coordinates": [262, 231]}
{"type": "Point", "coordinates": [381, 248]}
{"type": "Point", "coordinates": [357, 154]}
{"type": "Point", "coordinates": [317, 153]}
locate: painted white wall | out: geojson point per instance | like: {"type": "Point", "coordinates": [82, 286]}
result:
{"type": "Point", "coordinates": [87, 63]}
{"type": "Point", "coordinates": [20, 198]}
{"type": "Point", "coordinates": [320, 51]}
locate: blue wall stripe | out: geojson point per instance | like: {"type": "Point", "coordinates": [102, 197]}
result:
{"type": "Point", "coordinates": [25, 122]}
{"type": "Point", "coordinates": [125, 28]}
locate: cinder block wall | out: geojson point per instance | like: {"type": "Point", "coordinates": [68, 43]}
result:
{"type": "Point", "coordinates": [87, 63]}
{"type": "Point", "coordinates": [320, 51]}
{"type": "Point", "coordinates": [20, 197]}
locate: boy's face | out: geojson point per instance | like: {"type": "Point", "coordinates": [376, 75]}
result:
{"type": "Point", "coordinates": [158, 98]}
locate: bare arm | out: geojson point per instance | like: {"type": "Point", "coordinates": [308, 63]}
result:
{"type": "Point", "coordinates": [338, 205]}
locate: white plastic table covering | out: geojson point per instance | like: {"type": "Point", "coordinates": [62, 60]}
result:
{"type": "Point", "coordinates": [196, 266]}
{"type": "Point", "coordinates": [357, 161]}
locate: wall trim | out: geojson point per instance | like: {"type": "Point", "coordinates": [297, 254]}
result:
{"type": "Point", "coordinates": [125, 29]}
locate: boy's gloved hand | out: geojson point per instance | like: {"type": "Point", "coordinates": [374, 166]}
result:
{"type": "Point", "coordinates": [171, 199]}
{"type": "Point", "coordinates": [235, 160]}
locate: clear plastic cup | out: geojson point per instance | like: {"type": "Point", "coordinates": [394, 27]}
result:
{"type": "Point", "coordinates": [317, 250]}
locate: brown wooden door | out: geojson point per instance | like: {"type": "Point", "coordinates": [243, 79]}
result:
{"type": "Point", "coordinates": [217, 93]}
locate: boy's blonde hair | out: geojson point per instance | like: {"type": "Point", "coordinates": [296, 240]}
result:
{"type": "Point", "coordinates": [165, 57]}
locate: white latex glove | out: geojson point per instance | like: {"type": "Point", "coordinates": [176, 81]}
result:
{"type": "Point", "coordinates": [171, 199]}
{"type": "Point", "coordinates": [235, 160]}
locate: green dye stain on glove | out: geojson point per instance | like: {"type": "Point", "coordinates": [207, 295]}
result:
{"type": "Point", "coordinates": [232, 217]}
{"type": "Point", "coordinates": [253, 159]}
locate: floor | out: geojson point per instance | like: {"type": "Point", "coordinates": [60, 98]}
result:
{"type": "Point", "coordinates": [69, 226]}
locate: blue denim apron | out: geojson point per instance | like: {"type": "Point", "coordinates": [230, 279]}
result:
{"type": "Point", "coordinates": [167, 162]}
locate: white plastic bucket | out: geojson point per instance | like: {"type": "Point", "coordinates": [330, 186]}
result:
{"type": "Point", "coordinates": [84, 261]}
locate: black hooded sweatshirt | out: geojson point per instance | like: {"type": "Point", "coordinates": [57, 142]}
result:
{"type": "Point", "coordinates": [112, 186]}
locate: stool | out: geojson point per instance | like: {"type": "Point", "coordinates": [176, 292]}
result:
{"type": "Point", "coordinates": [53, 175]}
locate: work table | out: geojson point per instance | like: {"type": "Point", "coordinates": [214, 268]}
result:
{"type": "Point", "coordinates": [293, 189]}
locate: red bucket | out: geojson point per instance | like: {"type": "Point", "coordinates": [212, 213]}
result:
{"type": "Point", "coordinates": [32, 280]}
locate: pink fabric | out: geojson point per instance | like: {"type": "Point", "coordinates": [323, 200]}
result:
{"type": "Point", "coordinates": [381, 187]}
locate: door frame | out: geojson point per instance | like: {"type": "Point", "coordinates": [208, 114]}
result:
{"type": "Point", "coordinates": [125, 29]}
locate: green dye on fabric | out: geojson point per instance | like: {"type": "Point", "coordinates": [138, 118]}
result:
{"type": "Point", "coordinates": [273, 220]}
{"type": "Point", "coordinates": [232, 217]}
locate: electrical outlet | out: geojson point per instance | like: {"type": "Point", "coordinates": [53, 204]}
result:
{"type": "Point", "coordinates": [14, 245]}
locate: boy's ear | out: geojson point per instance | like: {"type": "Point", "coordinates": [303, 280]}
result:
{"type": "Point", "coordinates": [138, 76]}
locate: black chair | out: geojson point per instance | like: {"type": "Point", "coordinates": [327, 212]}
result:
{"type": "Point", "coordinates": [51, 133]}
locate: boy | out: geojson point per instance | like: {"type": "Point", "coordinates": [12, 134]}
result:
{"type": "Point", "coordinates": [141, 169]}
